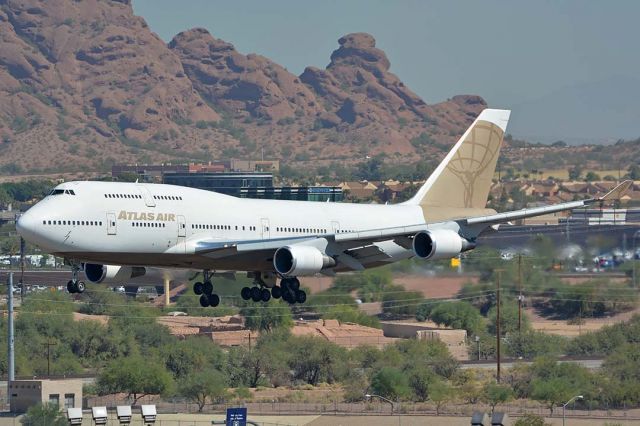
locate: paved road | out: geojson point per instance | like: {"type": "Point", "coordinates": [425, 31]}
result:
{"type": "Point", "coordinates": [591, 364]}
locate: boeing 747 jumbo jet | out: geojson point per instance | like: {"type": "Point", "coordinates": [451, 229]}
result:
{"type": "Point", "coordinates": [117, 230]}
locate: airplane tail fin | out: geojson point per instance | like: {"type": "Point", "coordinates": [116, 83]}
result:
{"type": "Point", "coordinates": [460, 185]}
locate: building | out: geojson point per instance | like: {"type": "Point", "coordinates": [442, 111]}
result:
{"type": "Point", "coordinates": [65, 393]}
{"type": "Point", "coordinates": [252, 185]}
{"type": "Point", "coordinates": [155, 172]}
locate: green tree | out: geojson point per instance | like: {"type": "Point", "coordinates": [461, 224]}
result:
{"type": "Point", "coordinates": [508, 318]}
{"type": "Point", "coordinates": [316, 360]}
{"type": "Point", "coordinates": [204, 385]}
{"type": "Point", "coordinates": [441, 393]}
{"type": "Point", "coordinates": [552, 391]}
{"type": "Point", "coordinates": [460, 315]}
{"type": "Point", "coordinates": [494, 394]}
{"type": "Point", "coordinates": [135, 376]}
{"type": "Point", "coordinates": [263, 317]}
{"type": "Point", "coordinates": [44, 414]}
{"type": "Point", "coordinates": [391, 383]}
{"type": "Point", "coordinates": [592, 177]}
{"type": "Point", "coordinates": [399, 302]}
{"type": "Point", "coordinates": [420, 380]}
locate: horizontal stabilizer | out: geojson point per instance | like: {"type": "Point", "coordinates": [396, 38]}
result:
{"type": "Point", "coordinates": [617, 192]}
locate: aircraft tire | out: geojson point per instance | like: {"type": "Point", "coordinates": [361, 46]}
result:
{"type": "Point", "coordinates": [80, 287]}
{"type": "Point", "coordinates": [214, 300]}
{"type": "Point", "coordinates": [198, 288]}
{"type": "Point", "coordinates": [204, 301]}
{"type": "Point", "coordinates": [265, 294]}
{"type": "Point", "coordinates": [71, 287]}
{"type": "Point", "coordinates": [276, 292]}
{"type": "Point", "coordinates": [256, 294]}
{"type": "Point", "coordinates": [289, 297]}
{"type": "Point", "coordinates": [301, 296]}
{"type": "Point", "coordinates": [207, 287]}
{"type": "Point", "coordinates": [294, 284]}
{"type": "Point", "coordinates": [245, 293]}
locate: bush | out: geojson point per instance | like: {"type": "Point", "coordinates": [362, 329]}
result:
{"type": "Point", "coordinates": [460, 315]}
{"type": "Point", "coordinates": [44, 414]}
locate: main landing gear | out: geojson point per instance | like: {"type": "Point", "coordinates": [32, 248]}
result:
{"type": "Point", "coordinates": [74, 285]}
{"type": "Point", "coordinates": [289, 291]}
{"type": "Point", "coordinates": [205, 291]}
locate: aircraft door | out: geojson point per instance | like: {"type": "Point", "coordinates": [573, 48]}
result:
{"type": "Point", "coordinates": [149, 201]}
{"type": "Point", "coordinates": [111, 223]}
{"type": "Point", "coordinates": [335, 226]}
{"type": "Point", "coordinates": [265, 228]}
{"type": "Point", "coordinates": [182, 227]}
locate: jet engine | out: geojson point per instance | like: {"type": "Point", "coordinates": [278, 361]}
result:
{"type": "Point", "coordinates": [439, 244]}
{"type": "Point", "coordinates": [112, 274]}
{"type": "Point", "coordinates": [298, 260]}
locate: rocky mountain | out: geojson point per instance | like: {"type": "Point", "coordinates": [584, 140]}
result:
{"type": "Point", "coordinates": [85, 84]}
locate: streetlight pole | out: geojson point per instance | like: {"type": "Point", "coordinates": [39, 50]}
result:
{"type": "Point", "coordinates": [567, 403]}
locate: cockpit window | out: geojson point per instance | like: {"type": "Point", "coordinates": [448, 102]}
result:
{"type": "Point", "coordinates": [62, 191]}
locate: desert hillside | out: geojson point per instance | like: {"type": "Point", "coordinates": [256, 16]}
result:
{"type": "Point", "coordinates": [85, 84]}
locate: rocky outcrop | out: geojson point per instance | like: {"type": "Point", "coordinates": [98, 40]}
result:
{"type": "Point", "coordinates": [235, 82]}
{"type": "Point", "coordinates": [85, 84]}
{"type": "Point", "coordinates": [90, 75]}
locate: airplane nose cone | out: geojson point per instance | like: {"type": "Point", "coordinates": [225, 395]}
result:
{"type": "Point", "coordinates": [26, 225]}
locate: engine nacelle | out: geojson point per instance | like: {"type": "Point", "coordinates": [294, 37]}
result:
{"type": "Point", "coordinates": [439, 244]}
{"type": "Point", "coordinates": [112, 274]}
{"type": "Point", "coordinates": [296, 261]}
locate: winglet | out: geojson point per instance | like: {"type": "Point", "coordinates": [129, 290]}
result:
{"type": "Point", "coordinates": [617, 192]}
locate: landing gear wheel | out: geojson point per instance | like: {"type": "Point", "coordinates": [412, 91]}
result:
{"type": "Point", "coordinates": [198, 288]}
{"type": "Point", "coordinates": [289, 297]}
{"type": "Point", "coordinates": [245, 293]}
{"type": "Point", "coordinates": [204, 301]}
{"type": "Point", "coordinates": [301, 296]}
{"type": "Point", "coordinates": [71, 287]}
{"type": "Point", "coordinates": [214, 300]}
{"type": "Point", "coordinates": [80, 287]}
{"type": "Point", "coordinates": [276, 292]}
{"type": "Point", "coordinates": [265, 294]}
{"type": "Point", "coordinates": [207, 287]}
{"type": "Point", "coordinates": [256, 294]}
{"type": "Point", "coordinates": [294, 284]}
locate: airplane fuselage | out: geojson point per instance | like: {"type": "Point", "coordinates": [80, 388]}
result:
{"type": "Point", "coordinates": [143, 224]}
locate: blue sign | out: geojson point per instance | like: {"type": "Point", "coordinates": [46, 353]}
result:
{"type": "Point", "coordinates": [237, 416]}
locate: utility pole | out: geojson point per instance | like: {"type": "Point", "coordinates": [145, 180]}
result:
{"type": "Point", "coordinates": [48, 345]}
{"type": "Point", "coordinates": [10, 334]}
{"type": "Point", "coordinates": [22, 289]}
{"type": "Point", "coordinates": [499, 271]}
{"type": "Point", "coordinates": [520, 297]}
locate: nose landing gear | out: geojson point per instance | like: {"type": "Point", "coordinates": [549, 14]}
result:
{"type": "Point", "coordinates": [74, 285]}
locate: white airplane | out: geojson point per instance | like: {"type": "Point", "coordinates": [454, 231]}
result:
{"type": "Point", "coordinates": [118, 230]}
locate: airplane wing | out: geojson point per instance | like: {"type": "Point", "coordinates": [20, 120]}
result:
{"type": "Point", "coordinates": [359, 244]}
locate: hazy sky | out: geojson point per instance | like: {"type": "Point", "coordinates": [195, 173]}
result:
{"type": "Point", "coordinates": [513, 53]}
